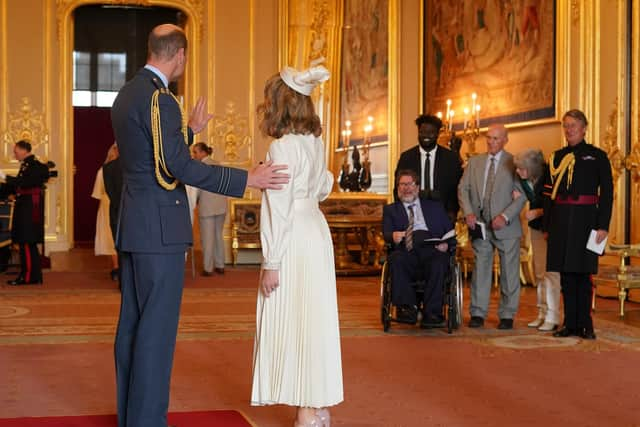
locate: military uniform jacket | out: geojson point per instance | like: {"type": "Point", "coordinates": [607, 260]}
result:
{"type": "Point", "coordinates": [153, 219]}
{"type": "Point", "coordinates": [28, 212]}
{"type": "Point", "coordinates": [569, 225]}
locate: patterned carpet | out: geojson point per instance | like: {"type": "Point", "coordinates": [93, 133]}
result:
{"type": "Point", "coordinates": [56, 359]}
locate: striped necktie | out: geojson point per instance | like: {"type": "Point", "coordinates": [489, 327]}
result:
{"type": "Point", "coordinates": [408, 235]}
{"type": "Point", "coordinates": [488, 190]}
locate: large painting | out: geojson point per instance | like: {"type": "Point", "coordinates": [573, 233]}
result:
{"type": "Point", "coordinates": [502, 50]}
{"type": "Point", "coordinates": [365, 68]}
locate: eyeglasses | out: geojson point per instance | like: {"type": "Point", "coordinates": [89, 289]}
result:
{"type": "Point", "coordinates": [406, 184]}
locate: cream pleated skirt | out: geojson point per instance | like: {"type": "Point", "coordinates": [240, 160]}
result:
{"type": "Point", "coordinates": [297, 357]}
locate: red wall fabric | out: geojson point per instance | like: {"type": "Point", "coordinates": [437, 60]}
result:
{"type": "Point", "coordinates": [93, 136]}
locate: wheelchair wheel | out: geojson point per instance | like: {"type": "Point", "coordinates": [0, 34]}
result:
{"type": "Point", "coordinates": [454, 300]}
{"type": "Point", "coordinates": [385, 297]}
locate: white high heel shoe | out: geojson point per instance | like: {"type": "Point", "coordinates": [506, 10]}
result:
{"type": "Point", "coordinates": [313, 422]}
{"type": "Point", "coordinates": [324, 416]}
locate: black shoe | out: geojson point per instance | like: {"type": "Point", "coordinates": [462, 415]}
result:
{"type": "Point", "coordinates": [406, 314]}
{"type": "Point", "coordinates": [115, 274]}
{"type": "Point", "coordinates": [476, 322]}
{"type": "Point", "coordinates": [206, 273]}
{"type": "Point", "coordinates": [219, 270]}
{"type": "Point", "coordinates": [430, 322]}
{"type": "Point", "coordinates": [588, 334]}
{"type": "Point", "coordinates": [564, 332]}
{"type": "Point", "coordinates": [505, 324]}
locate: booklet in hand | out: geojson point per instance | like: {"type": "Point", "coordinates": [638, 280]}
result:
{"type": "Point", "coordinates": [437, 240]}
{"type": "Point", "coordinates": [593, 246]}
{"type": "Point", "coordinates": [479, 232]}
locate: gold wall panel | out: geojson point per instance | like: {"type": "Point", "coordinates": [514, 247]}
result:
{"type": "Point", "coordinates": [635, 123]}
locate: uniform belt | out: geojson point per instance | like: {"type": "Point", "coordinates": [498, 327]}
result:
{"type": "Point", "coordinates": [35, 193]}
{"type": "Point", "coordinates": [579, 200]}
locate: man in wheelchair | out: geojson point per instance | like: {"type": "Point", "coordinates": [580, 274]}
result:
{"type": "Point", "coordinates": [421, 236]}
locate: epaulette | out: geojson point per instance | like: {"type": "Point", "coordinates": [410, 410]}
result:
{"type": "Point", "coordinates": [157, 83]}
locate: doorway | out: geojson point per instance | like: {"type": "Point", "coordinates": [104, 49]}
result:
{"type": "Point", "coordinates": [110, 46]}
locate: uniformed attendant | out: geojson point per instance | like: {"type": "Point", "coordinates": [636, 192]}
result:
{"type": "Point", "coordinates": [581, 190]}
{"type": "Point", "coordinates": [27, 227]}
{"type": "Point", "coordinates": [154, 228]}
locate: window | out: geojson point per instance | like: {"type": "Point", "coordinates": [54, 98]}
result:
{"type": "Point", "coordinates": [97, 78]}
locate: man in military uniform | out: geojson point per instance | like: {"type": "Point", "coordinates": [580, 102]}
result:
{"type": "Point", "coordinates": [27, 228]}
{"type": "Point", "coordinates": [581, 190]}
{"type": "Point", "coordinates": [154, 228]}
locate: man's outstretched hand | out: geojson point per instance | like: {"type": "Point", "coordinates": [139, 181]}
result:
{"type": "Point", "coordinates": [267, 176]}
{"type": "Point", "coordinates": [199, 116]}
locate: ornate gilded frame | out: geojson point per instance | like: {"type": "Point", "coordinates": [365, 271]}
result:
{"type": "Point", "coordinates": [564, 11]}
{"type": "Point", "coordinates": [295, 46]}
{"type": "Point", "coordinates": [193, 9]}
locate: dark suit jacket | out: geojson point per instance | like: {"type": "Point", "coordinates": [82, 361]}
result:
{"type": "Point", "coordinates": [152, 219]}
{"type": "Point", "coordinates": [112, 176]}
{"type": "Point", "coordinates": [395, 218]}
{"type": "Point", "coordinates": [446, 175]}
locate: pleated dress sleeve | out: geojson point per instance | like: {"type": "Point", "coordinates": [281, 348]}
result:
{"type": "Point", "coordinates": [325, 183]}
{"type": "Point", "coordinates": [276, 212]}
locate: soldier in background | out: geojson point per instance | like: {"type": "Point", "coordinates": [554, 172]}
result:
{"type": "Point", "coordinates": [27, 228]}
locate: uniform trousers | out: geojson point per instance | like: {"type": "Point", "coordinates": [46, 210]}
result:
{"type": "Point", "coordinates": [30, 268]}
{"type": "Point", "coordinates": [212, 239]}
{"type": "Point", "coordinates": [151, 286]}
{"type": "Point", "coordinates": [422, 262]}
{"type": "Point", "coordinates": [577, 293]}
{"type": "Point", "coordinates": [509, 252]}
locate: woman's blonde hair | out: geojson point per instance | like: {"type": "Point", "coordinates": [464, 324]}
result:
{"type": "Point", "coordinates": [286, 111]}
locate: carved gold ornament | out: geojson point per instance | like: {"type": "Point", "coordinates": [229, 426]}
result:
{"type": "Point", "coordinates": [26, 123]}
{"type": "Point", "coordinates": [610, 144]}
{"type": "Point", "coordinates": [231, 136]}
{"type": "Point", "coordinates": [192, 7]}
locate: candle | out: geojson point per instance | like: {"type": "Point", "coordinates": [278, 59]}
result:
{"type": "Point", "coordinates": [439, 114]}
{"type": "Point", "coordinates": [466, 117]}
{"type": "Point", "coordinates": [448, 107]}
{"type": "Point", "coordinates": [478, 116]}
{"type": "Point", "coordinates": [451, 113]}
{"type": "Point", "coordinates": [473, 100]}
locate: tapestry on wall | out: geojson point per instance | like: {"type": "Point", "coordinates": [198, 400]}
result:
{"type": "Point", "coordinates": [504, 51]}
{"type": "Point", "coordinates": [365, 64]}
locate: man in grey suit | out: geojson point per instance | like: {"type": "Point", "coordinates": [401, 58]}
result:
{"type": "Point", "coordinates": [486, 195]}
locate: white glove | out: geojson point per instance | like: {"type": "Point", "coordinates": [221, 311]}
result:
{"type": "Point", "coordinates": [3, 175]}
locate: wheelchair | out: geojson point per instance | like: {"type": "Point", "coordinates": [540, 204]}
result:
{"type": "Point", "coordinates": [452, 294]}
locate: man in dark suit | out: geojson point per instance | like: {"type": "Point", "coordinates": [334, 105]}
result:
{"type": "Point", "coordinates": [154, 227]}
{"type": "Point", "coordinates": [438, 168]}
{"type": "Point", "coordinates": [27, 228]}
{"type": "Point", "coordinates": [406, 225]}
{"type": "Point", "coordinates": [112, 176]}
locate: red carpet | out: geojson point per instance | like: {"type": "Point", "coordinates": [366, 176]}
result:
{"type": "Point", "coordinates": [186, 419]}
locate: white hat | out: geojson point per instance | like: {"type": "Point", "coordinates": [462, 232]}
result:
{"type": "Point", "coordinates": [304, 81]}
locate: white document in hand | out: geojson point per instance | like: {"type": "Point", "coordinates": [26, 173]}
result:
{"type": "Point", "coordinates": [593, 246]}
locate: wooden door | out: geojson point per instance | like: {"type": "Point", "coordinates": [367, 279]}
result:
{"type": "Point", "coordinates": [92, 136]}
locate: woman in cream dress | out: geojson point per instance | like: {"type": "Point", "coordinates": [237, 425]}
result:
{"type": "Point", "coordinates": [297, 358]}
{"type": "Point", "coordinates": [103, 244]}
